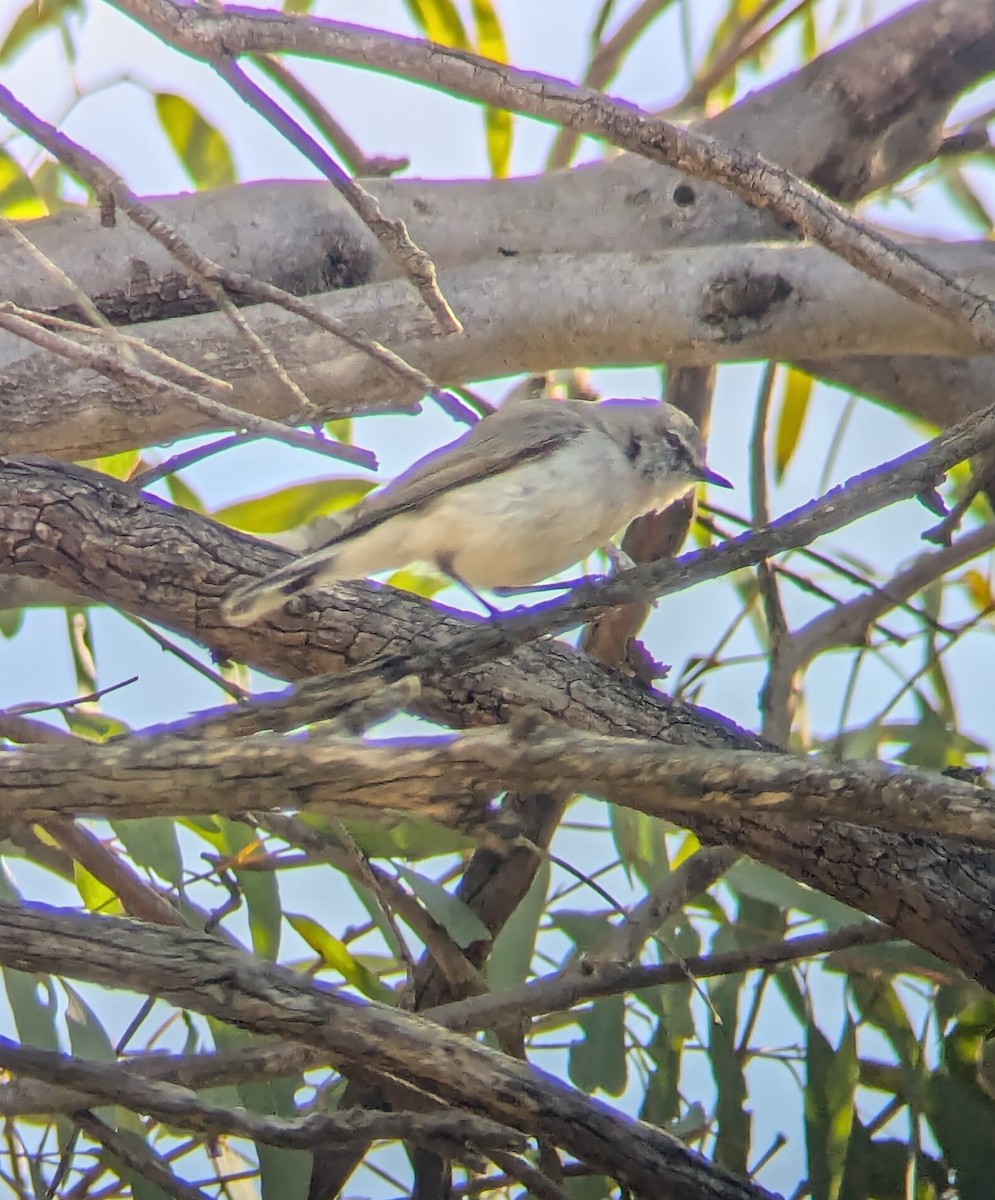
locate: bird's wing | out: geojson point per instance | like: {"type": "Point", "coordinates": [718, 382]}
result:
{"type": "Point", "coordinates": [496, 444]}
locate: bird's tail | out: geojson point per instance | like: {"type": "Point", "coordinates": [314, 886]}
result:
{"type": "Point", "coordinates": [254, 600]}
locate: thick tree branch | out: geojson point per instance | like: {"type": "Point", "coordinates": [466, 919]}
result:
{"type": "Point", "coordinates": [702, 306]}
{"type": "Point", "coordinates": [199, 972]}
{"type": "Point", "coordinates": [207, 32]}
{"type": "Point", "coordinates": [451, 780]}
{"type": "Point", "coordinates": [85, 531]}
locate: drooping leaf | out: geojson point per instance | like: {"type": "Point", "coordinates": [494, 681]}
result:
{"type": "Point", "coordinates": [183, 495]}
{"type": "Point", "coordinates": [151, 842]}
{"type": "Point", "coordinates": [235, 844]}
{"type": "Point", "coordinates": [830, 1084]}
{"type": "Point", "coordinates": [292, 506]}
{"type": "Point", "coordinates": [460, 922]}
{"type": "Point", "coordinates": [200, 147]}
{"type": "Point", "coordinates": [19, 199]}
{"type": "Point", "coordinates": [35, 18]}
{"type": "Point", "coordinates": [11, 620]}
{"type": "Point", "coordinates": [87, 1036]}
{"type": "Point", "coordinates": [795, 396]}
{"type": "Point", "coordinates": [597, 1060]}
{"type": "Point", "coordinates": [95, 894]}
{"type": "Point", "coordinates": [335, 954]}
{"type": "Point", "coordinates": [440, 22]}
{"type": "Point", "coordinates": [118, 466]}
{"type": "Point", "coordinates": [282, 1173]}
{"type": "Point", "coordinates": [732, 1117]}
{"type": "Point", "coordinates": [510, 958]}
{"type": "Point", "coordinates": [498, 122]}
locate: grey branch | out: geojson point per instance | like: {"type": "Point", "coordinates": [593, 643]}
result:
{"type": "Point", "coordinates": [198, 972]}
{"type": "Point", "coordinates": [451, 780]}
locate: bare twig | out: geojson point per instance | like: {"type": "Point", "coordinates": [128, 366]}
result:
{"type": "Point", "coordinates": [557, 993]}
{"type": "Point", "coordinates": [116, 365]}
{"type": "Point", "coordinates": [391, 232]}
{"type": "Point", "coordinates": [356, 160]}
{"type": "Point", "coordinates": [848, 624]}
{"type": "Point", "coordinates": [776, 719]}
{"type": "Point", "coordinates": [106, 184]}
{"type": "Point", "coordinates": [137, 1155]}
{"type": "Point", "coordinates": [207, 32]}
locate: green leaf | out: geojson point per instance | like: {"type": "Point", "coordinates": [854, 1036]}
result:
{"type": "Point", "coordinates": [460, 922]}
{"type": "Point", "coordinates": [199, 146]}
{"type": "Point", "coordinates": [11, 620]}
{"type": "Point", "coordinates": [335, 954]}
{"type": "Point", "coordinates": [182, 495]}
{"type": "Point", "coordinates": [962, 1117]}
{"type": "Point", "coordinates": [293, 506]}
{"type": "Point", "coordinates": [830, 1085]}
{"type": "Point", "coordinates": [598, 1059]}
{"type": "Point", "coordinates": [94, 726]}
{"type": "Point", "coordinates": [641, 844]}
{"type": "Point", "coordinates": [31, 997]}
{"type": "Point", "coordinates": [752, 879]}
{"type": "Point", "coordinates": [81, 648]}
{"type": "Point", "coordinates": [151, 843]}
{"type": "Point", "coordinates": [601, 22]}
{"type": "Point", "coordinates": [282, 1173]}
{"type": "Point", "coordinates": [510, 959]}
{"type": "Point", "coordinates": [795, 398]}
{"type": "Point", "coordinates": [410, 838]}
{"type": "Point", "coordinates": [118, 466]}
{"type": "Point", "coordinates": [37, 17]}
{"type": "Point", "coordinates": [233, 842]}
{"type": "Point", "coordinates": [421, 583]}
{"type": "Point", "coordinates": [87, 1036]}
{"type": "Point", "coordinates": [732, 1141]}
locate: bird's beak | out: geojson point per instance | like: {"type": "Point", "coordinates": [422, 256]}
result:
{"type": "Point", "coordinates": [707, 475]}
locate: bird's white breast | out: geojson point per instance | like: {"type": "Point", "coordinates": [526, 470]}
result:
{"type": "Point", "coordinates": [536, 519]}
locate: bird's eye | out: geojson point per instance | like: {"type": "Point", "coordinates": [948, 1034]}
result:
{"type": "Point", "coordinates": [634, 448]}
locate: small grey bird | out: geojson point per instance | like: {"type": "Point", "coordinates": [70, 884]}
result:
{"type": "Point", "coordinates": [530, 490]}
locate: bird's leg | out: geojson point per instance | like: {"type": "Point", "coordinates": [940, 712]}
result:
{"type": "Point", "coordinates": [620, 561]}
{"type": "Point", "coordinates": [445, 564]}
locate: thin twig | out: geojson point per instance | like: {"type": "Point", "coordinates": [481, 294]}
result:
{"type": "Point", "coordinates": [111, 362]}
{"type": "Point", "coordinates": [106, 183]}
{"type": "Point", "coordinates": [357, 162]}
{"type": "Point", "coordinates": [208, 32]}
{"type": "Point", "coordinates": [391, 232]}
{"type": "Point", "coordinates": [237, 693]}
{"type": "Point", "coordinates": [557, 993]}
{"type": "Point", "coordinates": [776, 719]}
{"type": "Point", "coordinates": [135, 1154]}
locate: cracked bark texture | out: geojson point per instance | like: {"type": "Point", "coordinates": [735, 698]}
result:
{"type": "Point", "coordinates": [90, 534]}
{"type": "Point", "coordinates": [857, 119]}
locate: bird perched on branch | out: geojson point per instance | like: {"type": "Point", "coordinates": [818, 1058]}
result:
{"type": "Point", "coordinates": [530, 490]}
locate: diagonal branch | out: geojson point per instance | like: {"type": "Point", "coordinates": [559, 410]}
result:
{"type": "Point", "coordinates": [198, 972]}
{"type": "Point", "coordinates": [206, 32]}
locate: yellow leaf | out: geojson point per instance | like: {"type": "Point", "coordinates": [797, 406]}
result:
{"type": "Point", "coordinates": [794, 405]}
